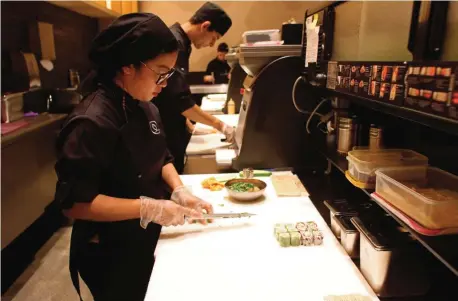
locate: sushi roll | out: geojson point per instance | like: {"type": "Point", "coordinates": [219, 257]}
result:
{"type": "Point", "coordinates": [279, 231]}
{"type": "Point", "coordinates": [312, 226]}
{"type": "Point", "coordinates": [284, 239]}
{"type": "Point", "coordinates": [278, 226]}
{"type": "Point", "coordinates": [301, 226]}
{"type": "Point", "coordinates": [295, 239]}
{"type": "Point", "coordinates": [317, 238]}
{"type": "Point", "coordinates": [306, 238]}
{"type": "Point", "coordinates": [291, 228]}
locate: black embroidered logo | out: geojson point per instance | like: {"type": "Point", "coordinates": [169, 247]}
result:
{"type": "Point", "coordinates": [154, 128]}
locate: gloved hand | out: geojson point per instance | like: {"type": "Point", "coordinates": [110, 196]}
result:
{"type": "Point", "coordinates": [182, 195]}
{"type": "Point", "coordinates": [229, 132]}
{"type": "Point", "coordinates": [164, 212]}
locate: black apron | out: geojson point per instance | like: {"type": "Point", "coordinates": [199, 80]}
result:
{"type": "Point", "coordinates": [119, 266]}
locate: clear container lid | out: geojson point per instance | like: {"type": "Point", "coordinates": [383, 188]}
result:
{"type": "Point", "coordinates": [387, 157]}
{"type": "Point", "coordinates": [257, 32]}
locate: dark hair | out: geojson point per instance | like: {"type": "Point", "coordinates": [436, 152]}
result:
{"type": "Point", "coordinates": [222, 47]}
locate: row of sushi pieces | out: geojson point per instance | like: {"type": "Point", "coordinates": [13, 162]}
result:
{"type": "Point", "coordinates": [299, 234]}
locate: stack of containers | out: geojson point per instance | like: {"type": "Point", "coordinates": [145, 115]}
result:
{"type": "Point", "coordinates": [341, 211]}
{"type": "Point", "coordinates": [362, 163]}
{"type": "Point", "coordinates": [390, 259]}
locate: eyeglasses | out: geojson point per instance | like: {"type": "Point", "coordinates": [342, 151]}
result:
{"type": "Point", "coordinates": [162, 77]}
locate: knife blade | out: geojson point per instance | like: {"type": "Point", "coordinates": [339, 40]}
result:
{"type": "Point", "coordinates": [225, 215]}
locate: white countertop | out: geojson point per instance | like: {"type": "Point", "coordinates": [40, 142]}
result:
{"type": "Point", "coordinates": [207, 144]}
{"type": "Point", "coordinates": [240, 260]}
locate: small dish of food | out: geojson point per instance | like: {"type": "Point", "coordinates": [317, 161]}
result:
{"type": "Point", "coordinates": [245, 189]}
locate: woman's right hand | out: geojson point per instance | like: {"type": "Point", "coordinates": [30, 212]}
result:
{"type": "Point", "coordinates": [164, 212]}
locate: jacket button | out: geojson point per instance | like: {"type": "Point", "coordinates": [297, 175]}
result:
{"type": "Point", "coordinates": [139, 175]}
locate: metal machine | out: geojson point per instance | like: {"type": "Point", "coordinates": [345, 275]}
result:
{"type": "Point", "coordinates": [268, 119]}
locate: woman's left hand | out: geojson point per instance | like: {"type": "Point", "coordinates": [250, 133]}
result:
{"type": "Point", "coordinates": [183, 196]}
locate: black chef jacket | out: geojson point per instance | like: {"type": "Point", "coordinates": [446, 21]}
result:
{"type": "Point", "coordinates": [175, 99]}
{"type": "Point", "coordinates": [99, 152]}
{"type": "Point", "coordinates": [220, 70]}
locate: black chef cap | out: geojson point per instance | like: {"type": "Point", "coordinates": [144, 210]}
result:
{"type": "Point", "coordinates": [220, 21]}
{"type": "Point", "coordinates": [222, 47]}
{"type": "Point", "coordinates": [130, 39]}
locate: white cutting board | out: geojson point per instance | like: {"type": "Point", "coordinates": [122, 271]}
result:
{"type": "Point", "coordinates": [241, 260]}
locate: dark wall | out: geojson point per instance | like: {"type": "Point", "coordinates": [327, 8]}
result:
{"type": "Point", "coordinates": [73, 34]}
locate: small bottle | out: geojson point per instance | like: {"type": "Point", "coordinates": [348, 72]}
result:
{"type": "Point", "coordinates": [231, 107]}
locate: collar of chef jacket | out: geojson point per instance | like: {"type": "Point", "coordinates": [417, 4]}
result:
{"type": "Point", "coordinates": [184, 47]}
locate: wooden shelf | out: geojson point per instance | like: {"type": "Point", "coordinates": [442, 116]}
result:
{"type": "Point", "coordinates": [442, 247]}
{"type": "Point", "coordinates": [87, 8]}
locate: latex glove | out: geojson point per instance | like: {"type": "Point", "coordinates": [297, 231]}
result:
{"type": "Point", "coordinates": [183, 195]}
{"type": "Point", "coordinates": [164, 212]}
{"type": "Point", "coordinates": [229, 132]}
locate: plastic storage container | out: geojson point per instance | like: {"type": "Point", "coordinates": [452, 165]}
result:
{"type": "Point", "coordinates": [428, 195]}
{"type": "Point", "coordinates": [254, 36]}
{"type": "Point", "coordinates": [362, 164]}
{"type": "Point", "coordinates": [390, 260]}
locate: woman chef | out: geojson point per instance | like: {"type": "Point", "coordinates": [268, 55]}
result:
{"type": "Point", "coordinates": [112, 151]}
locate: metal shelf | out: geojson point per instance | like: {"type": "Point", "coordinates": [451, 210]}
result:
{"type": "Point", "coordinates": [442, 247]}
{"type": "Point", "coordinates": [440, 123]}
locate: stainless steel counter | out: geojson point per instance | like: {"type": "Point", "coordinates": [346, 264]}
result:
{"type": "Point", "coordinates": [209, 89]}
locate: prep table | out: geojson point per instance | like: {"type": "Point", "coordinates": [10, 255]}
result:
{"type": "Point", "coordinates": [241, 259]}
{"type": "Point", "coordinates": [201, 148]}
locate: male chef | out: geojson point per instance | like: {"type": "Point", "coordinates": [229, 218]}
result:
{"type": "Point", "coordinates": [208, 24]}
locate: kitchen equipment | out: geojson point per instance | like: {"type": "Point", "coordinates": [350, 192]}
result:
{"type": "Point", "coordinates": [362, 163]}
{"type": "Point", "coordinates": [208, 89]}
{"type": "Point", "coordinates": [347, 135]}
{"type": "Point", "coordinates": [64, 100]}
{"type": "Point", "coordinates": [254, 58]}
{"type": "Point", "coordinates": [37, 100]}
{"type": "Point", "coordinates": [32, 70]}
{"type": "Point", "coordinates": [390, 260]}
{"type": "Point", "coordinates": [235, 85]}
{"type": "Point", "coordinates": [225, 215]}
{"type": "Point", "coordinates": [375, 137]}
{"type": "Point", "coordinates": [428, 195]}
{"type": "Point", "coordinates": [73, 78]}
{"type": "Point", "coordinates": [339, 207]}
{"type": "Point", "coordinates": [349, 236]}
{"type": "Point", "coordinates": [268, 118]}
{"type": "Point", "coordinates": [254, 36]}
{"type": "Point", "coordinates": [247, 173]}
{"type": "Point", "coordinates": [288, 185]}
{"type": "Point", "coordinates": [291, 32]}
{"type": "Point", "coordinates": [246, 196]}
{"type": "Point", "coordinates": [12, 107]}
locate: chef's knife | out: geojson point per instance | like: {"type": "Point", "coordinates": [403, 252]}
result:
{"type": "Point", "coordinates": [224, 215]}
